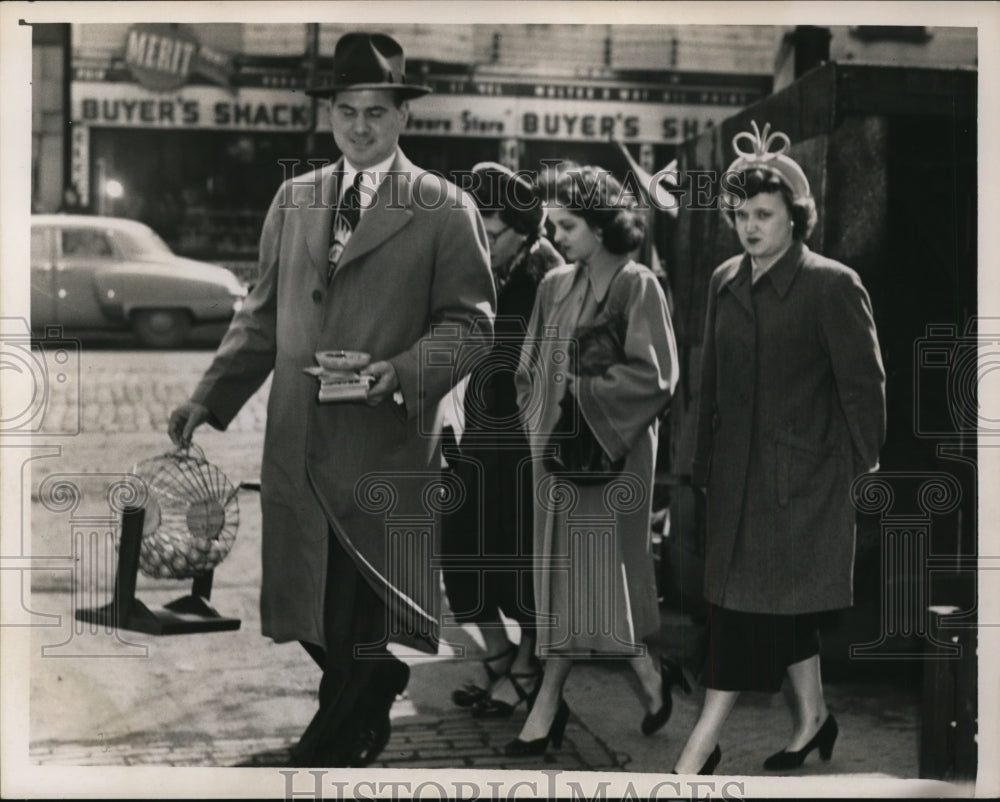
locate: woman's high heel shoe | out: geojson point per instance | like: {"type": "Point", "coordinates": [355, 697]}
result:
{"type": "Point", "coordinates": [519, 748]}
{"type": "Point", "coordinates": [497, 708]}
{"type": "Point", "coordinates": [708, 767]}
{"type": "Point", "coordinates": [822, 740]}
{"type": "Point", "coordinates": [469, 694]}
{"type": "Point", "coordinates": [670, 674]}
{"type": "Point", "coordinates": [713, 760]}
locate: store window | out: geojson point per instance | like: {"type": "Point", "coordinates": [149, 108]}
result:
{"type": "Point", "coordinates": [204, 192]}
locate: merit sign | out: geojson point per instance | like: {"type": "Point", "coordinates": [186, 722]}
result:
{"type": "Point", "coordinates": [162, 56]}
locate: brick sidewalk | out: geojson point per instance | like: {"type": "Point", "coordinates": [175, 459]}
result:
{"type": "Point", "coordinates": [179, 749]}
{"type": "Point", "coordinates": [456, 740]}
{"type": "Point", "coordinates": [451, 739]}
{"type": "Point", "coordinates": [128, 392]}
{"type": "Point", "coordinates": [261, 695]}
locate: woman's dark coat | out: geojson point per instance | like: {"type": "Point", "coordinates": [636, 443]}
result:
{"type": "Point", "coordinates": [792, 409]}
{"type": "Point", "coordinates": [487, 539]}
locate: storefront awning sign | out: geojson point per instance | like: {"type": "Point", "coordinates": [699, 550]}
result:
{"type": "Point", "coordinates": [561, 120]}
{"type": "Point", "coordinates": [125, 105]}
{"type": "Point", "coordinates": [162, 56]}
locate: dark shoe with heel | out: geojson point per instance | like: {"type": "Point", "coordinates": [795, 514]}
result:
{"type": "Point", "coordinates": [519, 748]}
{"type": "Point", "coordinates": [823, 740]}
{"type": "Point", "coordinates": [374, 727]}
{"type": "Point", "coordinates": [713, 761]}
{"type": "Point", "coordinates": [671, 674]}
{"type": "Point", "coordinates": [708, 767]}
{"type": "Point", "coordinates": [497, 708]}
{"type": "Point", "coordinates": [470, 694]}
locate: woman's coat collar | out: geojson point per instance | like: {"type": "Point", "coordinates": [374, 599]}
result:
{"type": "Point", "coordinates": [781, 274]}
{"type": "Point", "coordinates": [600, 280]}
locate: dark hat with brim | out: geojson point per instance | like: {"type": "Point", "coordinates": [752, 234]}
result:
{"type": "Point", "coordinates": [367, 61]}
{"type": "Point", "coordinates": [499, 190]}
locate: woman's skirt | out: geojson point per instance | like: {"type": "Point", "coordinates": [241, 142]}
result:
{"type": "Point", "coordinates": [594, 577]}
{"type": "Point", "coordinates": [751, 651]}
{"type": "Point", "coordinates": [486, 540]}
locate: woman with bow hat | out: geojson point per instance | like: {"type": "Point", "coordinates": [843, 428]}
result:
{"type": "Point", "coordinates": [494, 521]}
{"type": "Point", "coordinates": [791, 410]}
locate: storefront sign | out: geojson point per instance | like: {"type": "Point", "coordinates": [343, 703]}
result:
{"type": "Point", "coordinates": [161, 56]}
{"type": "Point", "coordinates": [80, 161]}
{"type": "Point", "coordinates": [688, 88]}
{"type": "Point", "coordinates": [561, 119]}
{"type": "Point", "coordinates": [522, 116]}
{"type": "Point", "coordinates": [197, 107]}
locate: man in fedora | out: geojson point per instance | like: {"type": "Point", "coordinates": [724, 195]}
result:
{"type": "Point", "coordinates": [369, 254]}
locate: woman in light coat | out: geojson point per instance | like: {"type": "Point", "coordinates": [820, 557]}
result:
{"type": "Point", "coordinates": [595, 588]}
{"type": "Point", "coordinates": [791, 410]}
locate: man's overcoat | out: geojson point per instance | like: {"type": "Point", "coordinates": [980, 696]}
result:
{"type": "Point", "coordinates": [792, 409]}
{"type": "Point", "coordinates": [410, 286]}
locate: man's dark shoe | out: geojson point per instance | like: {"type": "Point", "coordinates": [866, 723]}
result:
{"type": "Point", "coordinates": [374, 727]}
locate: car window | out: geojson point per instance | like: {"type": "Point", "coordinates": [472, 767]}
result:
{"type": "Point", "coordinates": [85, 242]}
{"type": "Point", "coordinates": [142, 243]}
{"type": "Point", "coordinates": [39, 243]}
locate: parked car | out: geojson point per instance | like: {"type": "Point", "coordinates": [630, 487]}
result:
{"type": "Point", "coordinates": [112, 273]}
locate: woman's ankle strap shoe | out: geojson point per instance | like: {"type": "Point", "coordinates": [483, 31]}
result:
{"type": "Point", "coordinates": [497, 708]}
{"type": "Point", "coordinates": [822, 740]}
{"type": "Point", "coordinates": [471, 694]}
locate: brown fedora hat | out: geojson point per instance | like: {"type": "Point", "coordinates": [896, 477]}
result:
{"type": "Point", "coordinates": [367, 61]}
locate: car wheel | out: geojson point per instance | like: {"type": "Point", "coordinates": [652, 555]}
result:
{"type": "Point", "coordinates": [161, 328]}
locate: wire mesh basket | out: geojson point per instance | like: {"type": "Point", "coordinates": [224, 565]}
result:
{"type": "Point", "coordinates": [192, 514]}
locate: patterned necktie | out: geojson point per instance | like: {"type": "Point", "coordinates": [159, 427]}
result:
{"type": "Point", "coordinates": [345, 220]}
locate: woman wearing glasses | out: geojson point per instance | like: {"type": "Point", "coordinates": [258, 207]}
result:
{"type": "Point", "coordinates": [493, 523]}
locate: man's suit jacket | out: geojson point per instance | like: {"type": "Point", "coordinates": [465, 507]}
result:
{"type": "Point", "coordinates": [413, 286]}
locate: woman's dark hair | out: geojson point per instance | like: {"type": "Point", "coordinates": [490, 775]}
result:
{"type": "Point", "coordinates": [595, 195]}
{"type": "Point", "coordinates": [498, 190]}
{"type": "Point", "coordinates": [748, 183]}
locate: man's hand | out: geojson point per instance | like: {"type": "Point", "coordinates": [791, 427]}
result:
{"type": "Point", "coordinates": [184, 420]}
{"type": "Point", "coordinates": [386, 381]}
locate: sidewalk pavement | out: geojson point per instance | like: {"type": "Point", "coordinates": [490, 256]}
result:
{"type": "Point", "coordinates": [236, 698]}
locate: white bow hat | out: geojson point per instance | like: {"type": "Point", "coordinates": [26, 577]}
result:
{"type": "Point", "coordinates": [759, 155]}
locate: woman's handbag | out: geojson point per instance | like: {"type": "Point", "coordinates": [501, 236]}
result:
{"type": "Point", "coordinates": [580, 458]}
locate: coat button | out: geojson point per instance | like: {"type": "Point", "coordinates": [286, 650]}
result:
{"type": "Point", "coordinates": [317, 296]}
